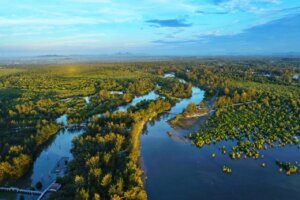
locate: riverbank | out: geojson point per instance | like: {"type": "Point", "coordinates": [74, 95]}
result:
{"type": "Point", "coordinates": [157, 151]}
{"type": "Point", "coordinates": [190, 121]}
{"type": "Point", "coordinates": [185, 127]}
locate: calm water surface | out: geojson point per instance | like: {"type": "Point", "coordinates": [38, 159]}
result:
{"type": "Point", "coordinates": [46, 161]}
{"type": "Point", "coordinates": [178, 170]}
{"type": "Point", "coordinates": [58, 147]}
{"type": "Point", "coordinates": [150, 96]}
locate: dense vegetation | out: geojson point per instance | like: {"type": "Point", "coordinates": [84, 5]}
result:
{"type": "Point", "coordinates": [106, 164]}
{"type": "Point", "coordinates": [172, 87]}
{"type": "Point", "coordinates": [31, 98]}
{"type": "Point", "coordinates": [257, 113]}
{"type": "Point", "coordinates": [257, 106]}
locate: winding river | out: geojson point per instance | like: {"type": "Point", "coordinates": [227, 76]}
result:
{"type": "Point", "coordinates": [177, 170]}
{"type": "Point", "coordinates": [58, 147]}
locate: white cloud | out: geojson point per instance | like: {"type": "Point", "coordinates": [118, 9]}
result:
{"type": "Point", "coordinates": [4, 21]}
{"type": "Point", "coordinates": [94, 1]}
{"type": "Point", "coordinates": [254, 6]}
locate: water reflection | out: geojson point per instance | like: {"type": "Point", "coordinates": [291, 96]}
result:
{"type": "Point", "coordinates": [62, 120]}
{"type": "Point", "coordinates": [178, 170]}
{"type": "Point", "coordinates": [59, 146]}
{"type": "Point", "coordinates": [150, 96]}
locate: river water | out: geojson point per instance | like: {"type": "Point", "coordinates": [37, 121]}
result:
{"type": "Point", "coordinates": [177, 170]}
{"type": "Point", "coordinates": [58, 147]}
{"type": "Point", "coordinates": [150, 96]}
{"type": "Point", "coordinates": [42, 169]}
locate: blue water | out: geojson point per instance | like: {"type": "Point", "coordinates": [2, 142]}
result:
{"type": "Point", "coordinates": [62, 120]}
{"type": "Point", "coordinates": [150, 96]}
{"type": "Point", "coordinates": [57, 148]}
{"type": "Point", "coordinates": [178, 170]}
{"type": "Point", "coordinates": [45, 162]}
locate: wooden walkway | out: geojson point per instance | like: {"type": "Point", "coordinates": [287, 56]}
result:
{"type": "Point", "coordinates": [17, 129]}
{"type": "Point", "coordinates": [53, 187]}
{"type": "Point", "coordinates": [18, 190]}
{"type": "Point", "coordinates": [82, 125]}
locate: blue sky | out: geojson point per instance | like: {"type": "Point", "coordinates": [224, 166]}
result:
{"type": "Point", "coordinates": [154, 27]}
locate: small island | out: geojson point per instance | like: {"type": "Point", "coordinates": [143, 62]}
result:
{"type": "Point", "coordinates": [190, 115]}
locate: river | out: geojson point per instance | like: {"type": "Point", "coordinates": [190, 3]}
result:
{"type": "Point", "coordinates": [58, 147]}
{"type": "Point", "coordinates": [177, 170]}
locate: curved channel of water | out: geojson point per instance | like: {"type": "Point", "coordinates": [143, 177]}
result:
{"type": "Point", "coordinates": [45, 163]}
{"type": "Point", "coordinates": [58, 147]}
{"type": "Point", "coordinates": [177, 170]}
{"type": "Point", "coordinates": [150, 96]}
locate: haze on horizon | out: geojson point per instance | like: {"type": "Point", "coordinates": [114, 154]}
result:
{"type": "Point", "coordinates": [152, 27]}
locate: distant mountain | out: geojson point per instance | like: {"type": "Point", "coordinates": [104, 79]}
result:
{"type": "Point", "coordinates": [50, 56]}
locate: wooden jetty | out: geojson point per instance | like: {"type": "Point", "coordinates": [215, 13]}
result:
{"type": "Point", "coordinates": [53, 187]}
{"type": "Point", "coordinates": [21, 191]}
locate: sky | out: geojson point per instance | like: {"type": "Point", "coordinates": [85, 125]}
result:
{"type": "Point", "coordinates": [149, 27]}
